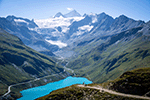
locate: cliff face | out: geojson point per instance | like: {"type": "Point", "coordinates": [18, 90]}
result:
{"type": "Point", "coordinates": [122, 52]}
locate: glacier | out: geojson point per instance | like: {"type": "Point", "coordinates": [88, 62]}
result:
{"type": "Point", "coordinates": [58, 43]}
{"type": "Point", "coordinates": [55, 22]}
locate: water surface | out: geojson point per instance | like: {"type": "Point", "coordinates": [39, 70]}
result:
{"type": "Point", "coordinates": [36, 92]}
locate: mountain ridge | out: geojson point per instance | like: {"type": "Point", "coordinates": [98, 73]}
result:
{"type": "Point", "coordinates": [19, 63]}
{"type": "Point", "coordinates": [72, 13]}
{"type": "Point", "coordinates": [78, 28]}
{"type": "Point", "coordinates": [59, 14]}
{"type": "Point", "coordinates": [114, 56]}
{"type": "Point", "coordinates": [96, 26]}
{"type": "Point", "coordinates": [96, 46]}
{"type": "Point", "coordinates": [21, 28]}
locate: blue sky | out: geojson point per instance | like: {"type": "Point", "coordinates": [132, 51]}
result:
{"type": "Point", "coordinates": [41, 9]}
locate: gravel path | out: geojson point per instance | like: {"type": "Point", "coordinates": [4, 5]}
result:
{"type": "Point", "coordinates": [113, 92]}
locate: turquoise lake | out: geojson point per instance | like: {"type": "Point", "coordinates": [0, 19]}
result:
{"type": "Point", "coordinates": [36, 92]}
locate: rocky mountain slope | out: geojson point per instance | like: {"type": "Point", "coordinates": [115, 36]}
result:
{"type": "Point", "coordinates": [22, 28]}
{"type": "Point", "coordinates": [59, 14]}
{"type": "Point", "coordinates": [124, 51]}
{"type": "Point", "coordinates": [73, 13]}
{"type": "Point", "coordinates": [96, 46]}
{"type": "Point", "coordinates": [93, 30]}
{"type": "Point", "coordinates": [66, 30]}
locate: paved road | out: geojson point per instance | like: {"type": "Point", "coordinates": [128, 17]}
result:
{"type": "Point", "coordinates": [116, 93]}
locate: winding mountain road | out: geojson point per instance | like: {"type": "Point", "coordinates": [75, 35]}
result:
{"type": "Point", "coordinates": [113, 92]}
{"type": "Point", "coordinates": [9, 87]}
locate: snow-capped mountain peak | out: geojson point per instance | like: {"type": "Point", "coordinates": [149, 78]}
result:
{"type": "Point", "coordinates": [73, 13]}
{"type": "Point", "coordinates": [92, 14]}
{"type": "Point", "coordinates": [59, 14]}
{"type": "Point", "coordinates": [22, 21]}
{"type": "Point", "coordinates": [55, 22]}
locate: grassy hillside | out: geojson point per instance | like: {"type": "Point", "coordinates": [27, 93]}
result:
{"type": "Point", "coordinates": [125, 51]}
{"type": "Point", "coordinates": [19, 63]}
{"type": "Point", "coordinates": [78, 93]}
{"type": "Point", "coordinates": [133, 82]}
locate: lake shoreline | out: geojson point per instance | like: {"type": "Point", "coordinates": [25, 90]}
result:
{"type": "Point", "coordinates": [46, 89]}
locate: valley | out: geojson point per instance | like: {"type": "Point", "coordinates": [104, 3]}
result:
{"type": "Point", "coordinates": [94, 46]}
{"type": "Point", "coordinates": [104, 90]}
{"type": "Point", "coordinates": [21, 64]}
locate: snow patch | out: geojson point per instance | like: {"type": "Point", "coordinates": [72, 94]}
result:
{"type": "Point", "coordinates": [60, 17]}
{"type": "Point", "coordinates": [117, 42]}
{"type": "Point", "coordinates": [92, 14]}
{"type": "Point", "coordinates": [82, 29]}
{"type": "Point", "coordinates": [80, 32]}
{"type": "Point", "coordinates": [20, 20]}
{"type": "Point", "coordinates": [65, 29]}
{"type": "Point", "coordinates": [86, 27]}
{"type": "Point", "coordinates": [58, 43]}
{"type": "Point", "coordinates": [94, 20]}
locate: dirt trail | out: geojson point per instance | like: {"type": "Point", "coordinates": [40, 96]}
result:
{"type": "Point", "coordinates": [113, 92]}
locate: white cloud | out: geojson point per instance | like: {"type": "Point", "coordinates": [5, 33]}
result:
{"type": "Point", "coordinates": [70, 8]}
